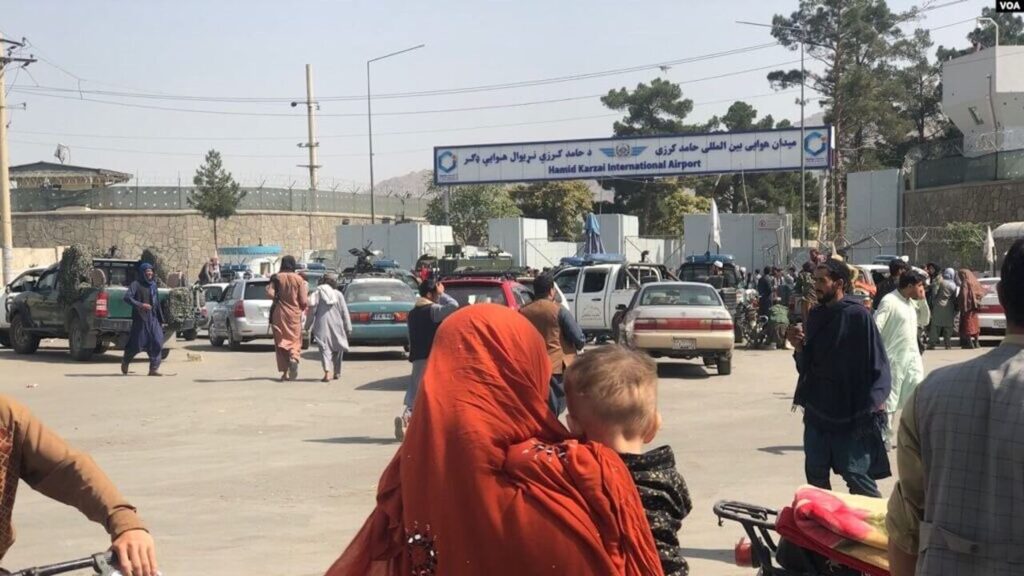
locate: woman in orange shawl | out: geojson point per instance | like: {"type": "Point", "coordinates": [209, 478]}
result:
{"type": "Point", "coordinates": [290, 294]}
{"type": "Point", "coordinates": [488, 481]}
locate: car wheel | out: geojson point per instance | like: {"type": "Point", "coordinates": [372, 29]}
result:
{"type": "Point", "coordinates": [232, 343]}
{"type": "Point", "coordinates": [305, 343]}
{"type": "Point", "coordinates": [77, 341]}
{"type": "Point", "coordinates": [102, 347]}
{"type": "Point", "coordinates": [5, 340]}
{"type": "Point", "coordinates": [709, 361]}
{"type": "Point", "coordinates": [190, 335]}
{"type": "Point", "coordinates": [215, 340]}
{"type": "Point", "coordinates": [21, 340]}
{"type": "Point", "coordinates": [725, 366]}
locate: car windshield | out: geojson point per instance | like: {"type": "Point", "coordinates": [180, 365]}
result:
{"type": "Point", "coordinates": [256, 291]}
{"type": "Point", "coordinates": [379, 292]}
{"type": "Point", "coordinates": [680, 295]}
{"type": "Point", "coordinates": [477, 294]}
{"type": "Point", "coordinates": [701, 273]}
{"type": "Point", "coordinates": [212, 293]}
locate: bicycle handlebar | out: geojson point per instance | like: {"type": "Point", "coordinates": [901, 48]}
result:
{"type": "Point", "coordinates": [103, 564]}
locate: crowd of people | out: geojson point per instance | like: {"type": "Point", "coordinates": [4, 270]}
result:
{"type": "Point", "coordinates": [488, 479]}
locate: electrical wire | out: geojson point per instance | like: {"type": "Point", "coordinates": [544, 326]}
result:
{"type": "Point", "coordinates": [226, 154]}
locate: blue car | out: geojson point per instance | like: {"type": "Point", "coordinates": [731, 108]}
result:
{"type": "Point", "coordinates": [380, 311]}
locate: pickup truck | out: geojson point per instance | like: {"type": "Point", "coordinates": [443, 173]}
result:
{"type": "Point", "coordinates": [97, 320]}
{"type": "Point", "coordinates": [598, 294]}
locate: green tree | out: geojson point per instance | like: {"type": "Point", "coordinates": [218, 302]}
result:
{"type": "Point", "coordinates": [471, 206]}
{"type": "Point", "coordinates": [965, 239]}
{"type": "Point", "coordinates": [675, 205]}
{"type": "Point", "coordinates": [657, 108]}
{"type": "Point", "coordinates": [562, 203]}
{"type": "Point", "coordinates": [860, 45]}
{"type": "Point", "coordinates": [1011, 33]}
{"type": "Point", "coordinates": [217, 195]}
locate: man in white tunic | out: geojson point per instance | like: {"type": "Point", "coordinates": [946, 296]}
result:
{"type": "Point", "coordinates": [898, 317]}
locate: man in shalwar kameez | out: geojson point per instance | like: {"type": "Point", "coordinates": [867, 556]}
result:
{"type": "Point", "coordinates": [290, 294]}
{"type": "Point", "coordinates": [147, 333]}
{"type": "Point", "coordinates": [899, 316]}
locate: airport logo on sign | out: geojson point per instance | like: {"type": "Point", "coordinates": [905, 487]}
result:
{"type": "Point", "coordinates": [623, 151]}
{"type": "Point", "coordinates": [815, 143]}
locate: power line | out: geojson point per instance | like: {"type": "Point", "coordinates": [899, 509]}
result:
{"type": "Point", "coordinates": [393, 133]}
{"type": "Point", "coordinates": [38, 92]}
{"type": "Point", "coordinates": [229, 155]}
{"type": "Point", "coordinates": [424, 93]}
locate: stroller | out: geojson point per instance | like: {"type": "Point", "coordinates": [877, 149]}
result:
{"type": "Point", "coordinates": [777, 547]}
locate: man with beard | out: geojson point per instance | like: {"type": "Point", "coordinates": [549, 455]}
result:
{"type": "Point", "coordinates": [843, 385]}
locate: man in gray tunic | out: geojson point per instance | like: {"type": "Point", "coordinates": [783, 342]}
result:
{"type": "Point", "coordinates": [958, 508]}
{"type": "Point", "coordinates": [331, 324]}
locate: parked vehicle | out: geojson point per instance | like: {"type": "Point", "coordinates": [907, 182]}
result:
{"type": "Point", "coordinates": [698, 268]}
{"type": "Point", "coordinates": [212, 294]}
{"type": "Point", "coordinates": [527, 281]}
{"type": "Point", "coordinates": [97, 320]}
{"type": "Point", "coordinates": [598, 294]}
{"type": "Point", "coordinates": [991, 316]}
{"type": "Point", "coordinates": [21, 283]}
{"type": "Point", "coordinates": [471, 289]}
{"type": "Point", "coordinates": [243, 315]}
{"type": "Point", "coordinates": [752, 326]}
{"type": "Point", "coordinates": [379, 308]}
{"type": "Point", "coordinates": [680, 320]}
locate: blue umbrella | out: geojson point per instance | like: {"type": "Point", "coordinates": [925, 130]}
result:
{"type": "Point", "coordinates": [592, 234]}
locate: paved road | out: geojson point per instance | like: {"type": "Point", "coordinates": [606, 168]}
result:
{"type": "Point", "coordinates": [237, 473]}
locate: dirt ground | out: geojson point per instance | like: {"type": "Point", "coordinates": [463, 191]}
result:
{"type": "Point", "coordinates": [236, 473]}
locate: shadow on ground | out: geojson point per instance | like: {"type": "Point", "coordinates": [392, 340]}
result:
{"type": "Point", "coordinates": [396, 384]}
{"type": "Point", "coordinates": [683, 371]}
{"type": "Point", "coordinates": [359, 440]}
{"type": "Point", "coordinates": [780, 450]}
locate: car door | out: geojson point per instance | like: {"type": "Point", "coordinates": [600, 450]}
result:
{"type": "Point", "coordinates": [43, 303]}
{"type": "Point", "coordinates": [591, 300]}
{"type": "Point", "coordinates": [224, 307]}
{"type": "Point", "coordinates": [568, 282]}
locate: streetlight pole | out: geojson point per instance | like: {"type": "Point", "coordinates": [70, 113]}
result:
{"type": "Point", "coordinates": [369, 120]}
{"type": "Point", "coordinates": [803, 102]}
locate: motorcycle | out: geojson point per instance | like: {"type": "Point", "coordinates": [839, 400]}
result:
{"type": "Point", "coordinates": [753, 326]}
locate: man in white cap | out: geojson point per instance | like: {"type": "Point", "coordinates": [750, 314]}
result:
{"type": "Point", "coordinates": [717, 279]}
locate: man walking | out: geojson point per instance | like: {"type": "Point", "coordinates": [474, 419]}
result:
{"type": "Point", "coordinates": [896, 268]}
{"type": "Point", "coordinates": [843, 385]}
{"type": "Point", "coordinates": [943, 309]}
{"type": "Point", "coordinates": [147, 333]}
{"type": "Point", "coordinates": [899, 316]}
{"type": "Point", "coordinates": [956, 508]}
{"type": "Point", "coordinates": [430, 309]}
{"type": "Point", "coordinates": [561, 333]}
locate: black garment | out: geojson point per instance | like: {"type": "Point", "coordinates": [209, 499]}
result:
{"type": "Point", "coordinates": [666, 501]}
{"type": "Point", "coordinates": [422, 329]}
{"type": "Point", "coordinates": [764, 292]}
{"type": "Point", "coordinates": [884, 287]}
{"type": "Point", "coordinates": [844, 371]}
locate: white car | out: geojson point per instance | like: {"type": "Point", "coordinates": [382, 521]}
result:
{"type": "Point", "coordinates": [243, 315]}
{"type": "Point", "coordinates": [21, 283]}
{"type": "Point", "coordinates": [680, 320]}
{"type": "Point", "coordinates": [212, 294]}
{"type": "Point", "coordinates": [991, 316]}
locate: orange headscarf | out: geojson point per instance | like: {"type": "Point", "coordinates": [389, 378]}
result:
{"type": "Point", "coordinates": [488, 481]}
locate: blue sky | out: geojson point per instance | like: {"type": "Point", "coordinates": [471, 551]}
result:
{"type": "Point", "coordinates": [258, 49]}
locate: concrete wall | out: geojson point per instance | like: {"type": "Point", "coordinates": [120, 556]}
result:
{"type": "Point", "coordinates": [873, 204]}
{"type": "Point", "coordinates": [184, 238]}
{"type": "Point", "coordinates": [993, 203]}
{"type": "Point", "coordinates": [25, 258]}
{"type": "Point", "coordinates": [403, 242]}
{"type": "Point", "coordinates": [752, 239]}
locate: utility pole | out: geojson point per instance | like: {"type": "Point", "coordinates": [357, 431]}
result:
{"type": "Point", "coordinates": [5, 174]}
{"type": "Point", "coordinates": [311, 107]}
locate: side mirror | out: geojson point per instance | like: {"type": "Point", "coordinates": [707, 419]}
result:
{"type": "Point", "coordinates": [620, 307]}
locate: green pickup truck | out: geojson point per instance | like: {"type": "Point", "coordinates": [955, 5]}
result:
{"type": "Point", "coordinates": [95, 321]}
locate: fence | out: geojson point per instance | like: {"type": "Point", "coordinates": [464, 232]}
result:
{"type": "Point", "coordinates": [923, 244]}
{"type": "Point", "coordinates": [942, 163]}
{"type": "Point", "coordinates": [175, 198]}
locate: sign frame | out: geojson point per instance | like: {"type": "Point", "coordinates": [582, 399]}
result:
{"type": "Point", "coordinates": [452, 155]}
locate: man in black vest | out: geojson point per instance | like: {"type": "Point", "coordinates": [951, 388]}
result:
{"type": "Point", "coordinates": [431, 308]}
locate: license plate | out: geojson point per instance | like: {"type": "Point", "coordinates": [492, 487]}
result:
{"type": "Point", "coordinates": [1000, 322]}
{"type": "Point", "coordinates": [684, 344]}
{"type": "Point", "coordinates": [382, 316]}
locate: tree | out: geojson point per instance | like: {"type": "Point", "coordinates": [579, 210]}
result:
{"type": "Point", "coordinates": [217, 195]}
{"type": "Point", "coordinates": [675, 205]}
{"type": "Point", "coordinates": [1011, 32]}
{"type": "Point", "coordinates": [965, 239]}
{"type": "Point", "coordinates": [658, 108]}
{"type": "Point", "coordinates": [471, 206]}
{"type": "Point", "coordinates": [860, 44]}
{"type": "Point", "coordinates": [562, 203]}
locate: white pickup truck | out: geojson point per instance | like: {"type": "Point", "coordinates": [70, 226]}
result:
{"type": "Point", "coordinates": [598, 294]}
